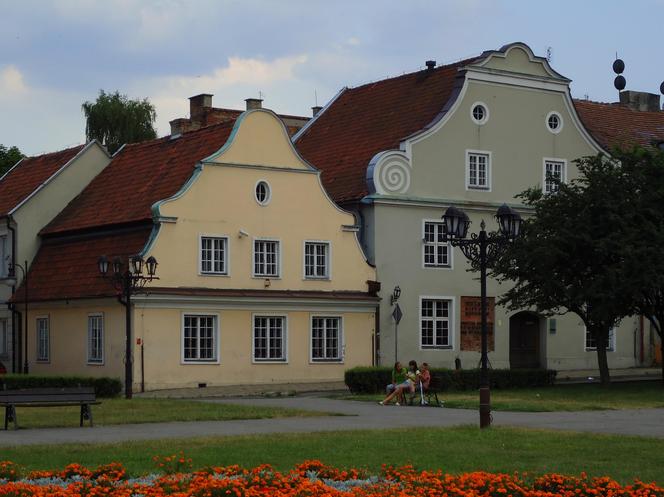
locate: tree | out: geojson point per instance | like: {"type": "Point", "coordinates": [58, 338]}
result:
{"type": "Point", "coordinates": [9, 157]}
{"type": "Point", "coordinates": [644, 260]}
{"type": "Point", "coordinates": [114, 120]}
{"type": "Point", "coordinates": [573, 252]}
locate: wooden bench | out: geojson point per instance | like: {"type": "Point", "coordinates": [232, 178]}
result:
{"type": "Point", "coordinates": [48, 397]}
{"type": "Point", "coordinates": [430, 394]}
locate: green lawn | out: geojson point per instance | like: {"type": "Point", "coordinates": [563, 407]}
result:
{"type": "Point", "coordinates": [123, 411]}
{"type": "Point", "coordinates": [453, 450]}
{"type": "Point", "coordinates": [584, 397]}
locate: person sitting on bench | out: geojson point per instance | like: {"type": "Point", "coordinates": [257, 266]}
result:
{"type": "Point", "coordinates": [408, 378]}
{"type": "Point", "coordinates": [398, 377]}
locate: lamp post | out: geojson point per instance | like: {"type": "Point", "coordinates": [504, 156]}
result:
{"type": "Point", "coordinates": [482, 250]}
{"type": "Point", "coordinates": [127, 281]}
{"type": "Point", "coordinates": [12, 282]}
{"type": "Point", "coordinates": [396, 315]}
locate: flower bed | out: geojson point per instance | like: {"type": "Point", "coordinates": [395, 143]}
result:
{"type": "Point", "coordinates": [310, 479]}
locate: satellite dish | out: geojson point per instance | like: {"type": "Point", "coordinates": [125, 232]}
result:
{"type": "Point", "coordinates": [618, 66]}
{"type": "Point", "coordinates": [619, 83]}
{"type": "Point", "coordinates": [661, 88]}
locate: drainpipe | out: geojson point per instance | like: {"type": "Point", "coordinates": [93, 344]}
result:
{"type": "Point", "coordinates": [16, 346]}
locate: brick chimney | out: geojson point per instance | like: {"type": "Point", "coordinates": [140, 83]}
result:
{"type": "Point", "coordinates": [179, 126]}
{"type": "Point", "coordinates": [640, 100]}
{"type": "Point", "coordinates": [254, 103]}
{"type": "Point", "coordinates": [315, 110]}
{"type": "Point", "coordinates": [198, 104]}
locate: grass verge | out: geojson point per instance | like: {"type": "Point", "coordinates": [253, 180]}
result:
{"type": "Point", "coordinates": [583, 397]}
{"type": "Point", "coordinates": [123, 411]}
{"type": "Point", "coordinates": [454, 450]}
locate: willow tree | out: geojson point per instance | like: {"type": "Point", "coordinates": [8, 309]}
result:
{"type": "Point", "coordinates": [113, 120]}
{"type": "Point", "coordinates": [572, 255]}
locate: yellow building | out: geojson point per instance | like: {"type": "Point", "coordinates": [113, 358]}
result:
{"type": "Point", "coordinates": [261, 276]}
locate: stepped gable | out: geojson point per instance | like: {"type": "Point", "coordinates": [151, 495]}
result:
{"type": "Point", "coordinates": [372, 118]}
{"type": "Point", "coordinates": [29, 174]}
{"type": "Point", "coordinates": [616, 125]}
{"type": "Point", "coordinates": [138, 176]}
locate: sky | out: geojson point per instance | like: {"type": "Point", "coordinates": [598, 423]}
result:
{"type": "Point", "coordinates": [57, 54]}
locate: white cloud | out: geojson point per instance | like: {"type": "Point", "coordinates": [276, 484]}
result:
{"type": "Point", "coordinates": [11, 81]}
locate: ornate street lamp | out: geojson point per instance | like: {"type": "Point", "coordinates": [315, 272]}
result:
{"type": "Point", "coordinates": [482, 250]}
{"type": "Point", "coordinates": [11, 281]}
{"type": "Point", "coordinates": [127, 280]}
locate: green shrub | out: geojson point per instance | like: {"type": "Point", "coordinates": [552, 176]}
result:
{"type": "Point", "coordinates": [374, 379]}
{"type": "Point", "coordinates": [104, 386]}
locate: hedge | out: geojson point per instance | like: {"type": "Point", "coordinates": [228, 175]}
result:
{"type": "Point", "coordinates": [104, 386]}
{"type": "Point", "coordinates": [374, 379]}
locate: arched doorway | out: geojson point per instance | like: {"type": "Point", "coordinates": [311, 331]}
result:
{"type": "Point", "coordinates": [525, 340]}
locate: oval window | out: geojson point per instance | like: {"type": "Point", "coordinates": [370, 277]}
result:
{"type": "Point", "coordinates": [554, 122]}
{"type": "Point", "coordinates": [262, 192]}
{"type": "Point", "coordinates": [479, 113]}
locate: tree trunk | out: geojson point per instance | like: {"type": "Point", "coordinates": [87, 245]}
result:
{"type": "Point", "coordinates": [601, 336]}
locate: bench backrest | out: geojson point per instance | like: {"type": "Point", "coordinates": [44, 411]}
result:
{"type": "Point", "coordinates": [26, 395]}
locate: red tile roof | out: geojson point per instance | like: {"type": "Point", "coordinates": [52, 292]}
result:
{"type": "Point", "coordinates": [371, 118]}
{"type": "Point", "coordinates": [615, 125]}
{"type": "Point", "coordinates": [26, 177]}
{"type": "Point", "coordinates": [137, 177]}
{"type": "Point", "coordinates": [66, 268]}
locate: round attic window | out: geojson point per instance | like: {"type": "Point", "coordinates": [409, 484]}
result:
{"type": "Point", "coordinates": [262, 193]}
{"type": "Point", "coordinates": [554, 122]}
{"type": "Point", "coordinates": [479, 113]}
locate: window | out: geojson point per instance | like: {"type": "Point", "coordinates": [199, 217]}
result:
{"type": "Point", "coordinates": [479, 113]}
{"type": "Point", "coordinates": [214, 255]}
{"type": "Point", "coordinates": [554, 122]}
{"type": "Point", "coordinates": [270, 338]}
{"type": "Point", "coordinates": [263, 193]}
{"type": "Point", "coordinates": [478, 175]}
{"type": "Point", "coordinates": [266, 258]}
{"type": "Point", "coordinates": [316, 260]}
{"type": "Point", "coordinates": [326, 339]}
{"type": "Point", "coordinates": [96, 339]}
{"type": "Point", "coordinates": [590, 342]}
{"type": "Point", "coordinates": [43, 340]}
{"type": "Point", "coordinates": [436, 251]}
{"type": "Point", "coordinates": [199, 338]}
{"type": "Point", "coordinates": [4, 338]}
{"type": "Point", "coordinates": [554, 174]}
{"type": "Point", "coordinates": [435, 323]}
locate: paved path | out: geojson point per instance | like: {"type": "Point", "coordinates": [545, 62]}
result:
{"type": "Point", "coordinates": [357, 416]}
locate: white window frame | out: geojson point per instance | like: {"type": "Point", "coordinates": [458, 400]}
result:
{"type": "Point", "coordinates": [226, 269]}
{"type": "Point", "coordinates": [4, 338]}
{"type": "Point", "coordinates": [611, 346]}
{"type": "Point", "coordinates": [253, 258]}
{"type": "Point", "coordinates": [269, 192]}
{"type": "Point", "coordinates": [47, 357]}
{"type": "Point", "coordinates": [451, 319]}
{"type": "Point", "coordinates": [561, 122]}
{"type": "Point", "coordinates": [486, 113]}
{"type": "Point", "coordinates": [489, 166]}
{"type": "Point", "coordinates": [216, 337]}
{"type": "Point", "coordinates": [341, 340]}
{"type": "Point", "coordinates": [563, 172]}
{"type": "Point", "coordinates": [450, 250]}
{"type": "Point", "coordinates": [96, 362]}
{"type": "Point", "coordinates": [284, 317]}
{"type": "Point", "coordinates": [328, 259]}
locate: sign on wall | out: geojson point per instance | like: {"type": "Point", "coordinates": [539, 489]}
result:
{"type": "Point", "coordinates": [471, 323]}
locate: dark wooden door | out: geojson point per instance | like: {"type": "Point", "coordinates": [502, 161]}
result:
{"type": "Point", "coordinates": [524, 341]}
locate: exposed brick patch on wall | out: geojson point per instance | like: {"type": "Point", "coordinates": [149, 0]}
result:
{"type": "Point", "coordinates": [471, 323]}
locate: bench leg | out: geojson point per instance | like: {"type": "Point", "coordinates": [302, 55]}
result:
{"type": "Point", "coordinates": [10, 415]}
{"type": "Point", "coordinates": [86, 414]}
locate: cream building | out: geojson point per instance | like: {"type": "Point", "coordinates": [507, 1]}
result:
{"type": "Point", "coordinates": [473, 134]}
{"type": "Point", "coordinates": [261, 276]}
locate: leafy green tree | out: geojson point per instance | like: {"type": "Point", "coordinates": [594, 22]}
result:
{"type": "Point", "coordinates": [572, 255]}
{"type": "Point", "coordinates": [644, 259]}
{"type": "Point", "coordinates": [9, 157]}
{"type": "Point", "coordinates": [114, 120]}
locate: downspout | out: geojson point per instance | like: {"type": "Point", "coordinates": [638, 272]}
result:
{"type": "Point", "coordinates": [16, 347]}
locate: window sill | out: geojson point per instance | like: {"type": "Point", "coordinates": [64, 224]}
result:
{"type": "Point", "coordinates": [195, 361]}
{"type": "Point", "coordinates": [436, 347]}
{"type": "Point", "coordinates": [94, 363]}
{"type": "Point", "coordinates": [269, 361]}
{"type": "Point", "coordinates": [479, 188]}
{"type": "Point", "coordinates": [326, 361]}
{"type": "Point", "coordinates": [213, 274]}
{"type": "Point", "coordinates": [437, 267]}
{"type": "Point", "coordinates": [316, 278]}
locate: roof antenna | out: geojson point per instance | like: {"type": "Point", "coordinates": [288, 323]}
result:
{"type": "Point", "coordinates": [316, 97]}
{"type": "Point", "coordinates": [620, 82]}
